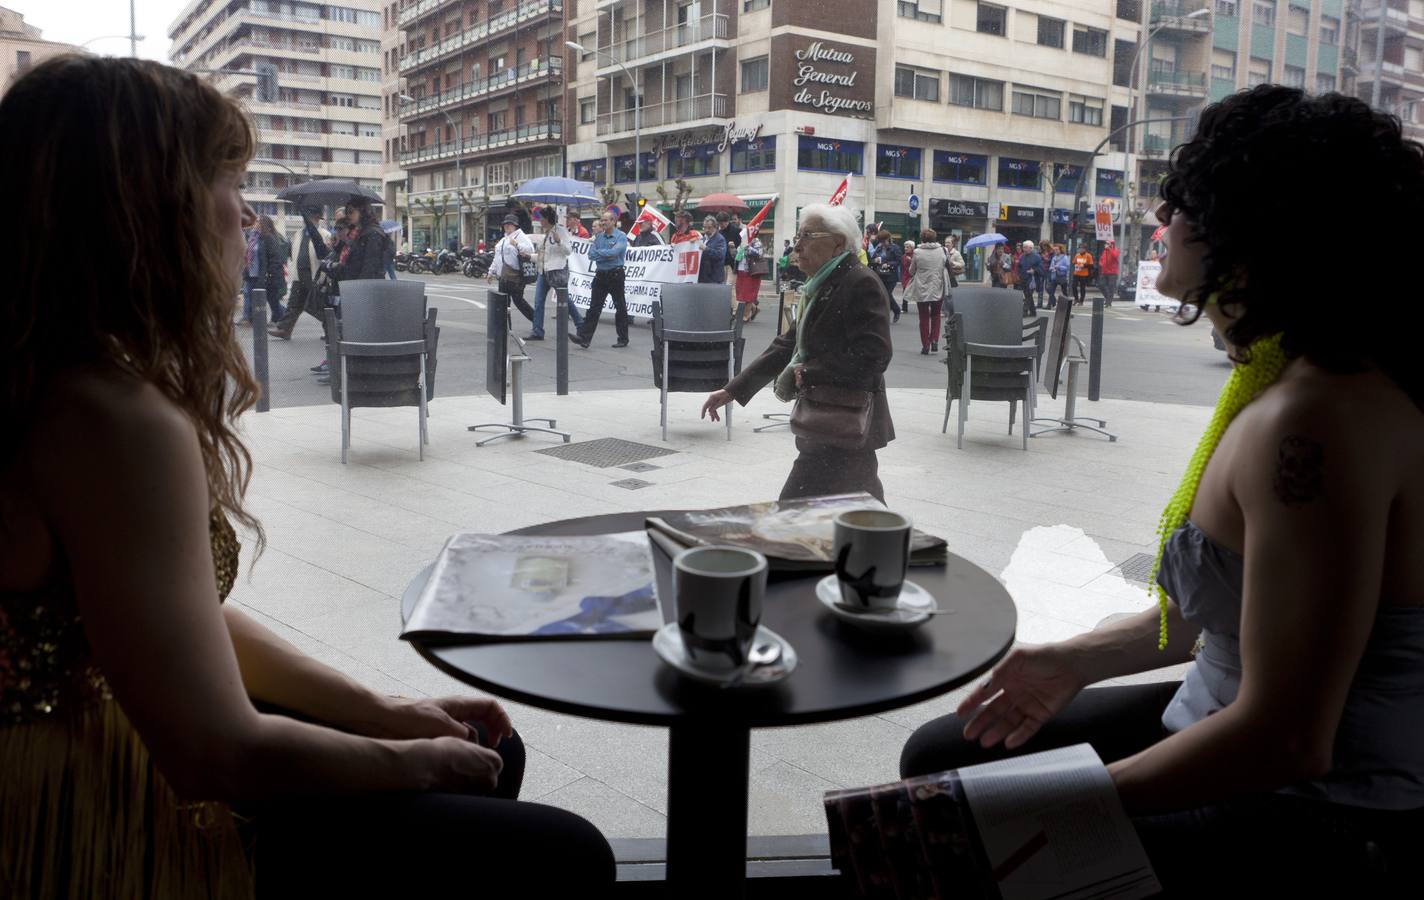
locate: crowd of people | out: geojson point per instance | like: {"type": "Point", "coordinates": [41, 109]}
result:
{"type": "Point", "coordinates": [1042, 274]}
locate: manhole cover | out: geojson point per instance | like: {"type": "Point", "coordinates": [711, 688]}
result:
{"type": "Point", "coordinates": [1138, 567]}
{"type": "Point", "coordinates": [640, 467]}
{"type": "Point", "coordinates": [632, 484]}
{"type": "Point", "coordinates": [606, 452]}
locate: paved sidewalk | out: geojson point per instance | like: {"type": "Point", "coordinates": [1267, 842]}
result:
{"type": "Point", "coordinates": [344, 541]}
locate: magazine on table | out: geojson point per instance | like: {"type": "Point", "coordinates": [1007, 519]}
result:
{"type": "Point", "coordinates": [496, 587]}
{"type": "Point", "coordinates": [794, 535]}
{"type": "Point", "coordinates": [1047, 826]}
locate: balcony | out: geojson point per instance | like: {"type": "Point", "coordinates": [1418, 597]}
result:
{"type": "Point", "coordinates": [1171, 15]}
{"type": "Point", "coordinates": [483, 143]}
{"type": "Point", "coordinates": [667, 42]}
{"type": "Point", "coordinates": [1350, 60]}
{"type": "Point", "coordinates": [531, 71]}
{"type": "Point", "coordinates": [1156, 145]}
{"type": "Point", "coordinates": [419, 11]}
{"type": "Point", "coordinates": [480, 32]}
{"type": "Point", "coordinates": [659, 115]}
{"type": "Point", "coordinates": [1186, 85]}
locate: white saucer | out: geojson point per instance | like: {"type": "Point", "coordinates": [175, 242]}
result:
{"type": "Point", "coordinates": [911, 610]}
{"type": "Point", "coordinates": [667, 643]}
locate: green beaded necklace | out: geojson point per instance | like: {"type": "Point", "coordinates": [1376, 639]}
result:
{"type": "Point", "coordinates": [1265, 361]}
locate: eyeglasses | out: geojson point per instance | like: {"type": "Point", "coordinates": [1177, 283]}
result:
{"type": "Point", "coordinates": [801, 236]}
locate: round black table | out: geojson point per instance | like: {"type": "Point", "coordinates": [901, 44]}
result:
{"type": "Point", "coordinates": [842, 673]}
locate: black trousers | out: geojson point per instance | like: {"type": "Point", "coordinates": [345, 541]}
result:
{"type": "Point", "coordinates": [299, 301]}
{"type": "Point", "coordinates": [890, 281]}
{"type": "Point", "coordinates": [514, 289]}
{"type": "Point", "coordinates": [1258, 845]}
{"type": "Point", "coordinates": [435, 845]}
{"type": "Point", "coordinates": [1080, 287]}
{"type": "Point", "coordinates": [606, 283]}
{"type": "Point", "coordinates": [821, 470]}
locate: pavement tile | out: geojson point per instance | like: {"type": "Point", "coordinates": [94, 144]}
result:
{"type": "Point", "coordinates": [612, 813]}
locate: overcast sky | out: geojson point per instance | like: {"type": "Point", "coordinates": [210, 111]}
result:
{"type": "Point", "coordinates": [76, 21]}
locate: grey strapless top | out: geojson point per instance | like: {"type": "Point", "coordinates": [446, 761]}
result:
{"type": "Point", "coordinates": [1378, 760]}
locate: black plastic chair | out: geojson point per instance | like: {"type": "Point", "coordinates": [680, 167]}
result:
{"type": "Point", "coordinates": [992, 352]}
{"type": "Point", "coordinates": [697, 342]}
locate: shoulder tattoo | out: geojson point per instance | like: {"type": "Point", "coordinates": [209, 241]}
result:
{"type": "Point", "coordinates": [1300, 471]}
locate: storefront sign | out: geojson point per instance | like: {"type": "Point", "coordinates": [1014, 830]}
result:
{"type": "Point", "coordinates": [1021, 215]}
{"type": "Point", "coordinates": [958, 209]}
{"type": "Point", "coordinates": [828, 78]}
{"type": "Point", "coordinates": [645, 271]}
{"type": "Point", "coordinates": [686, 142]}
{"type": "Point", "coordinates": [1102, 221]}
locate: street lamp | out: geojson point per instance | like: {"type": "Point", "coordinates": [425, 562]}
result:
{"type": "Point", "coordinates": [459, 168]}
{"type": "Point", "coordinates": [132, 38]}
{"type": "Point", "coordinates": [637, 115]}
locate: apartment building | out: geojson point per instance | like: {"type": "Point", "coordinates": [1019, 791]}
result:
{"type": "Point", "coordinates": [1389, 63]}
{"type": "Point", "coordinates": [326, 119]}
{"type": "Point", "coordinates": [964, 116]}
{"type": "Point", "coordinates": [394, 179]}
{"type": "Point", "coordinates": [23, 46]}
{"type": "Point", "coordinates": [482, 109]}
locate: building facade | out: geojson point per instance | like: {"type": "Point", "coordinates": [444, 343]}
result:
{"type": "Point", "coordinates": [325, 121]}
{"type": "Point", "coordinates": [394, 179]}
{"type": "Point", "coordinates": [1388, 65]}
{"type": "Point", "coordinates": [22, 46]}
{"type": "Point", "coordinates": [481, 107]}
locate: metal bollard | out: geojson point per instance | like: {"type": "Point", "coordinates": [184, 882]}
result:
{"type": "Point", "coordinates": [1095, 362]}
{"type": "Point", "coordinates": [259, 349]}
{"type": "Point", "coordinates": [561, 340]}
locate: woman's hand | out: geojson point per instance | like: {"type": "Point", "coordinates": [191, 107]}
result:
{"type": "Point", "coordinates": [715, 401]}
{"type": "Point", "coordinates": [444, 717]}
{"type": "Point", "coordinates": [454, 766]}
{"type": "Point", "coordinates": [1022, 693]}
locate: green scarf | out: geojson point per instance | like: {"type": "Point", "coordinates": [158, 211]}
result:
{"type": "Point", "coordinates": [785, 386]}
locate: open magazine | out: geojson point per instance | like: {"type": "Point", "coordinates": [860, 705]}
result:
{"type": "Point", "coordinates": [523, 587]}
{"type": "Point", "coordinates": [794, 535]}
{"type": "Point", "coordinates": [1047, 826]}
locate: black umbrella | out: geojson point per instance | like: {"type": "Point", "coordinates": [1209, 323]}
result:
{"type": "Point", "coordinates": [327, 192]}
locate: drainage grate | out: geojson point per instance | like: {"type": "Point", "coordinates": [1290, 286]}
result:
{"type": "Point", "coordinates": [631, 484]}
{"type": "Point", "coordinates": [1138, 567]}
{"type": "Point", "coordinates": [641, 467]}
{"type": "Point", "coordinates": [606, 452]}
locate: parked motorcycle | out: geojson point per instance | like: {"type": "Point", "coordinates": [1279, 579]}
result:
{"type": "Point", "coordinates": [478, 264]}
{"type": "Point", "coordinates": [446, 262]}
{"type": "Point", "coordinates": [402, 262]}
{"type": "Point", "coordinates": [421, 263]}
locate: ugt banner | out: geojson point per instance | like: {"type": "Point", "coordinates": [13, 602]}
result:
{"type": "Point", "coordinates": [645, 271]}
{"type": "Point", "coordinates": [1147, 296]}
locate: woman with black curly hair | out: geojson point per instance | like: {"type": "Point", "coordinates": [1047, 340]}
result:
{"type": "Point", "coordinates": [1291, 755]}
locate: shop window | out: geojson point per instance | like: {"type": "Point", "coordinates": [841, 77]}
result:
{"type": "Point", "coordinates": [961, 168]}
{"type": "Point", "coordinates": [897, 162]}
{"type": "Point", "coordinates": [992, 19]}
{"type": "Point", "coordinates": [818, 154]}
{"type": "Point", "coordinates": [754, 156]}
{"type": "Point", "coordinates": [1066, 177]}
{"type": "Point", "coordinates": [594, 170]}
{"type": "Point", "coordinates": [1050, 32]}
{"type": "Point", "coordinates": [1109, 183]}
{"type": "Point", "coordinates": [623, 168]}
{"type": "Point", "coordinates": [1019, 173]}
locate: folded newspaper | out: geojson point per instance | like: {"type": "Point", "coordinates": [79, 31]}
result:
{"type": "Point", "coordinates": [1047, 826]}
{"type": "Point", "coordinates": [794, 535]}
{"type": "Point", "coordinates": [487, 587]}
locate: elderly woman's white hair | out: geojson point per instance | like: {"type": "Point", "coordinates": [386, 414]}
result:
{"type": "Point", "coordinates": [835, 219]}
{"type": "Point", "coordinates": [909, 245]}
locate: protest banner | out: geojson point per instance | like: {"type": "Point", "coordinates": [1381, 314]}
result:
{"type": "Point", "coordinates": [1147, 296]}
{"type": "Point", "coordinates": [645, 271]}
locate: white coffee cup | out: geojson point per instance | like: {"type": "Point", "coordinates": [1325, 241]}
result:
{"type": "Point", "coordinates": [718, 594]}
{"type": "Point", "coordinates": [872, 551]}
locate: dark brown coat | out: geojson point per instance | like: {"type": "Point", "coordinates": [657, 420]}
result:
{"type": "Point", "coordinates": [847, 345]}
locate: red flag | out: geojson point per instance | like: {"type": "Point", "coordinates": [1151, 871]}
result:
{"type": "Point", "coordinates": [650, 215]}
{"type": "Point", "coordinates": [755, 224]}
{"type": "Point", "coordinates": [839, 196]}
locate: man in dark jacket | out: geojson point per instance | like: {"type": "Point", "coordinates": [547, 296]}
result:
{"type": "Point", "coordinates": [731, 228]}
{"type": "Point", "coordinates": [311, 250]}
{"type": "Point", "coordinates": [712, 268]}
{"type": "Point", "coordinates": [1031, 277]}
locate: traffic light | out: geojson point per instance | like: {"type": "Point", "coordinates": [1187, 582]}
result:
{"type": "Point", "coordinates": [266, 82]}
{"type": "Point", "coordinates": [636, 202]}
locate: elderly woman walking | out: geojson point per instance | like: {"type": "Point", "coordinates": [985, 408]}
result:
{"type": "Point", "coordinates": [831, 362]}
{"type": "Point", "coordinates": [926, 287]}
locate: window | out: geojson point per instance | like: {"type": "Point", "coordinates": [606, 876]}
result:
{"type": "Point", "coordinates": [1109, 183]}
{"type": "Point", "coordinates": [1329, 30]}
{"type": "Point", "coordinates": [754, 156]}
{"type": "Point", "coordinates": [1066, 178]}
{"type": "Point", "coordinates": [922, 10]}
{"type": "Point", "coordinates": [1085, 110]}
{"type": "Point", "coordinates": [588, 42]}
{"type": "Point", "coordinates": [1050, 32]}
{"type": "Point", "coordinates": [594, 170]}
{"type": "Point", "coordinates": [623, 168]}
{"type": "Point", "coordinates": [1123, 53]}
{"type": "Point", "coordinates": [339, 43]}
{"type": "Point", "coordinates": [22, 60]}
{"type": "Point", "coordinates": [588, 111]}
{"type": "Point", "coordinates": [1223, 65]}
{"type": "Point", "coordinates": [980, 93]}
{"type": "Point", "coordinates": [346, 72]}
{"type": "Point", "coordinates": [1091, 41]}
{"type": "Point", "coordinates": [961, 168]}
{"type": "Point", "coordinates": [1038, 104]}
{"type": "Point", "coordinates": [992, 20]}
{"type": "Point", "coordinates": [1129, 10]}
{"type": "Point", "coordinates": [365, 74]}
{"type": "Point", "coordinates": [1293, 76]}
{"type": "Point", "coordinates": [700, 160]}
{"type": "Point", "coordinates": [916, 84]}
{"type": "Point", "coordinates": [1297, 20]}
{"type": "Point", "coordinates": [756, 74]}
{"type": "Point", "coordinates": [1324, 83]}
{"type": "Point", "coordinates": [1259, 72]}
{"type": "Point", "coordinates": [1263, 12]}
{"type": "Point", "coordinates": [898, 162]}
{"type": "Point", "coordinates": [817, 154]}
{"type": "Point", "coordinates": [1019, 173]}
{"type": "Point", "coordinates": [1226, 7]}
{"type": "Point", "coordinates": [754, 5]}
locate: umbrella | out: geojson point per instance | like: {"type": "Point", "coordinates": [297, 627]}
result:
{"type": "Point", "coordinates": [722, 203]}
{"type": "Point", "coordinates": [554, 189]}
{"type": "Point", "coordinates": [984, 240]}
{"type": "Point", "coordinates": [327, 192]}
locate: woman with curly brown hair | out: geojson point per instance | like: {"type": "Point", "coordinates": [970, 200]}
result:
{"type": "Point", "coordinates": [1290, 758]}
{"type": "Point", "coordinates": [130, 729]}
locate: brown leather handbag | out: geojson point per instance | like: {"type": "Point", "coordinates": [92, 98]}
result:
{"type": "Point", "coordinates": [832, 416]}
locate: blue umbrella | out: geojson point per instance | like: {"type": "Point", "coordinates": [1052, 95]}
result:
{"type": "Point", "coordinates": [983, 240]}
{"type": "Point", "coordinates": [554, 189]}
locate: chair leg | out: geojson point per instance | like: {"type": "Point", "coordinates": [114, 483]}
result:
{"type": "Point", "coordinates": [730, 375]}
{"type": "Point", "coordinates": [964, 392]}
{"type": "Point", "coordinates": [423, 440]}
{"type": "Point", "coordinates": [1013, 405]}
{"type": "Point", "coordinates": [1028, 410]}
{"type": "Point", "coordinates": [948, 403]}
{"type": "Point", "coordinates": [345, 413]}
{"type": "Point", "coordinates": [664, 393]}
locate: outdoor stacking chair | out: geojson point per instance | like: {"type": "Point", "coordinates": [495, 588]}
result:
{"type": "Point", "coordinates": [697, 342]}
{"type": "Point", "coordinates": [382, 344]}
{"type": "Point", "coordinates": [992, 353]}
